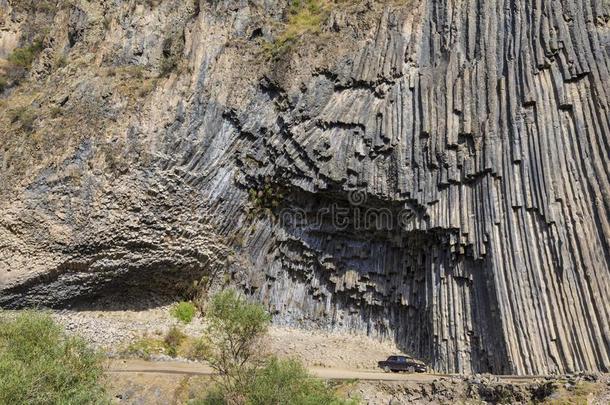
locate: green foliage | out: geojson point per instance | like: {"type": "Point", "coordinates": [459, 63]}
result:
{"type": "Point", "coordinates": [279, 382]}
{"type": "Point", "coordinates": [40, 364]}
{"type": "Point", "coordinates": [231, 342]}
{"type": "Point", "coordinates": [145, 347]}
{"type": "Point", "coordinates": [544, 391]}
{"type": "Point", "coordinates": [304, 17]}
{"type": "Point", "coordinates": [232, 348]}
{"type": "Point", "coordinates": [167, 66]}
{"type": "Point", "coordinates": [287, 382]}
{"type": "Point", "coordinates": [173, 48]}
{"type": "Point", "coordinates": [265, 199]}
{"type": "Point", "coordinates": [24, 57]}
{"type": "Point", "coordinates": [184, 311]}
{"type": "Point", "coordinates": [173, 340]}
{"type": "Point", "coordinates": [234, 327]}
{"type": "Point", "coordinates": [19, 62]}
{"type": "Point", "coordinates": [174, 343]}
{"type": "Point", "coordinates": [196, 349]}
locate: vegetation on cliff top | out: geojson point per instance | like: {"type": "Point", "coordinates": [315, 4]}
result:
{"type": "Point", "coordinates": [303, 17]}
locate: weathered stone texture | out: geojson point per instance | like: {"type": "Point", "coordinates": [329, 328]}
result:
{"type": "Point", "coordinates": [481, 127]}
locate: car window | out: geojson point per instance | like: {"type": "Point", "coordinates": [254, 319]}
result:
{"type": "Point", "coordinates": [391, 358]}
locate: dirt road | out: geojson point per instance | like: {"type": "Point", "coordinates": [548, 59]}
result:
{"type": "Point", "coordinates": [193, 369]}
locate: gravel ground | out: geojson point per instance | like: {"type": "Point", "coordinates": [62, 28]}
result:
{"type": "Point", "coordinates": [111, 324]}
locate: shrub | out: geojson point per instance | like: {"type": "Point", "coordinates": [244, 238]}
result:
{"type": "Point", "coordinates": [24, 57]}
{"type": "Point", "coordinates": [173, 47]}
{"type": "Point", "coordinates": [184, 311]}
{"type": "Point", "coordinates": [174, 343]}
{"type": "Point", "coordinates": [173, 340]}
{"type": "Point", "coordinates": [40, 364]}
{"type": "Point", "coordinates": [280, 382]}
{"type": "Point", "coordinates": [167, 65]}
{"type": "Point", "coordinates": [145, 347]}
{"type": "Point", "coordinates": [196, 350]}
{"type": "Point", "coordinates": [24, 116]}
{"type": "Point", "coordinates": [288, 382]}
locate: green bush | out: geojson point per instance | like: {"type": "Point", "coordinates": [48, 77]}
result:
{"type": "Point", "coordinates": [145, 347]}
{"type": "Point", "coordinates": [24, 57]}
{"type": "Point", "coordinates": [287, 382]}
{"type": "Point", "coordinates": [175, 343]}
{"type": "Point", "coordinates": [40, 364]}
{"type": "Point", "coordinates": [196, 350]}
{"type": "Point", "coordinates": [184, 311]}
{"type": "Point", "coordinates": [280, 382]}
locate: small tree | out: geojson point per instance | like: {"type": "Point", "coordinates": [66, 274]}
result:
{"type": "Point", "coordinates": [245, 376]}
{"type": "Point", "coordinates": [232, 338]}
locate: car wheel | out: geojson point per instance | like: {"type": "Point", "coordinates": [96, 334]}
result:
{"type": "Point", "coordinates": [386, 369]}
{"type": "Point", "coordinates": [411, 369]}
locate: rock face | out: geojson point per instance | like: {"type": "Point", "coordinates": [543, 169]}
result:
{"type": "Point", "coordinates": [432, 172]}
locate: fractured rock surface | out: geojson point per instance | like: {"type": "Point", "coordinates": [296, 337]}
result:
{"type": "Point", "coordinates": [436, 173]}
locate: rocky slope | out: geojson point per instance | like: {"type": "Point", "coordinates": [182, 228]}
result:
{"type": "Point", "coordinates": [433, 172]}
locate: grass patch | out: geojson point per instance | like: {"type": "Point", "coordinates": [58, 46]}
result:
{"type": "Point", "coordinates": [184, 311]}
{"type": "Point", "coordinates": [25, 117]}
{"type": "Point", "coordinates": [145, 348]}
{"type": "Point", "coordinates": [304, 17]}
{"type": "Point", "coordinates": [173, 340]}
{"type": "Point", "coordinates": [174, 344]}
{"type": "Point", "coordinates": [41, 364]}
{"type": "Point", "coordinates": [24, 57]}
{"type": "Point", "coordinates": [19, 63]}
{"type": "Point", "coordinates": [579, 394]}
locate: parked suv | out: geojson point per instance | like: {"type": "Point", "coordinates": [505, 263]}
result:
{"type": "Point", "coordinates": [402, 363]}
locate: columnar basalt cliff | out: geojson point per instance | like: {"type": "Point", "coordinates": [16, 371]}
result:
{"type": "Point", "coordinates": [434, 172]}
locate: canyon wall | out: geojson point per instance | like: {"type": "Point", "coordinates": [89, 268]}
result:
{"type": "Point", "coordinates": [432, 172]}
